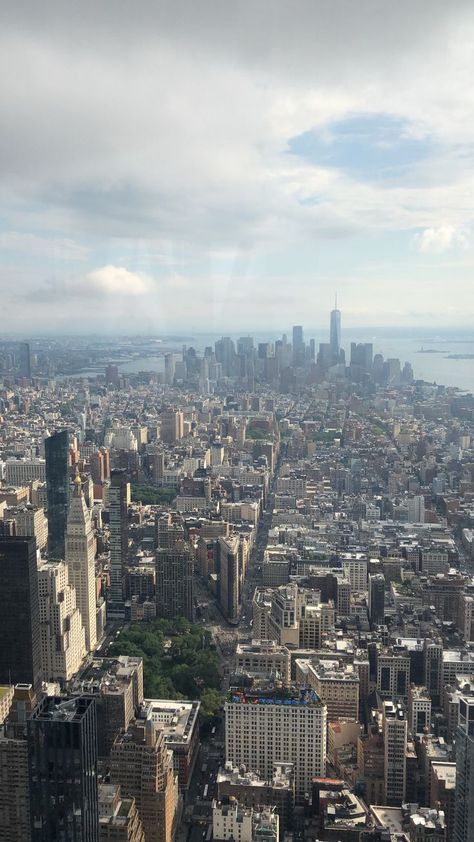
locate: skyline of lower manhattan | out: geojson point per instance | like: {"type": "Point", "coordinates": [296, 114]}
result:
{"type": "Point", "coordinates": [435, 355]}
{"type": "Point", "coordinates": [251, 580]}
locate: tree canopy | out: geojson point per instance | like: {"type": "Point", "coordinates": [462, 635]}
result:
{"type": "Point", "coordinates": [152, 495]}
{"type": "Point", "coordinates": [179, 661]}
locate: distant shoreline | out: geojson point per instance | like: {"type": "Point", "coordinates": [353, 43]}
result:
{"type": "Point", "coordinates": [459, 357]}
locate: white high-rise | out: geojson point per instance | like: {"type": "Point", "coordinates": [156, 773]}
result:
{"type": "Point", "coordinates": [395, 730]}
{"type": "Point", "coordinates": [80, 559]}
{"type": "Point", "coordinates": [261, 730]}
{"type": "Point", "coordinates": [62, 633]}
{"type": "Point", "coordinates": [416, 509]}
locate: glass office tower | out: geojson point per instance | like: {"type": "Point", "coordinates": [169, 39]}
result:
{"type": "Point", "coordinates": [62, 744]}
{"type": "Point", "coordinates": [58, 491]}
{"type": "Point", "coordinates": [20, 649]}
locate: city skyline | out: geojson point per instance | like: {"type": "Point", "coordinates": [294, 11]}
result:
{"type": "Point", "coordinates": [235, 167]}
{"type": "Point", "coordinates": [237, 421]}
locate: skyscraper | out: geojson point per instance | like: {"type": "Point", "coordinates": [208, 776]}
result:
{"type": "Point", "coordinates": [281, 726]}
{"type": "Point", "coordinates": [298, 345]}
{"type": "Point", "coordinates": [376, 598]}
{"type": "Point", "coordinates": [14, 778]}
{"type": "Point", "coordinates": [335, 333]}
{"type": "Point", "coordinates": [172, 423]}
{"type": "Point", "coordinates": [25, 360]}
{"type": "Point", "coordinates": [80, 559]}
{"type": "Point", "coordinates": [62, 738]}
{"type": "Point", "coordinates": [118, 524]}
{"type": "Point", "coordinates": [464, 809]}
{"type": "Point", "coordinates": [169, 368]}
{"type": "Point", "coordinates": [395, 731]}
{"type": "Point", "coordinates": [362, 355]}
{"type": "Point", "coordinates": [142, 765]}
{"type": "Point", "coordinates": [20, 649]}
{"type": "Point", "coordinates": [62, 633]}
{"type": "Point", "coordinates": [57, 491]}
{"type": "Point", "coordinates": [174, 582]}
{"type": "Point", "coordinates": [225, 354]}
{"type": "Point", "coordinates": [229, 590]}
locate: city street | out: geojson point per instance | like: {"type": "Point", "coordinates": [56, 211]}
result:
{"type": "Point", "coordinates": [197, 814]}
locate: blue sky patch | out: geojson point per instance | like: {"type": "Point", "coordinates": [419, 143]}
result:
{"type": "Point", "coordinates": [371, 147]}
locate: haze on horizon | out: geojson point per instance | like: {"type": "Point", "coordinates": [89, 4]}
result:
{"type": "Point", "coordinates": [183, 166]}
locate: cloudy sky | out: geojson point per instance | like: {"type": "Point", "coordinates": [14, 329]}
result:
{"type": "Point", "coordinates": [229, 165]}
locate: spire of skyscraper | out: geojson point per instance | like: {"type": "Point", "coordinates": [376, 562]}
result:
{"type": "Point", "coordinates": [335, 333]}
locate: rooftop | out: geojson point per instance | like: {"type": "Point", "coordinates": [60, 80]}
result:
{"type": "Point", "coordinates": [177, 719]}
{"type": "Point", "coordinates": [283, 776]}
{"type": "Point", "coordinates": [58, 709]}
{"type": "Point", "coordinates": [261, 647]}
{"type": "Point", "coordinates": [458, 655]}
{"type": "Point", "coordinates": [446, 772]}
{"type": "Point", "coordinates": [304, 697]}
{"type": "Point", "coordinates": [5, 690]}
{"type": "Point", "coordinates": [329, 670]}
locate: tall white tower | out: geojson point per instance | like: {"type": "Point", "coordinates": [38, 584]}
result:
{"type": "Point", "coordinates": [62, 632]}
{"type": "Point", "coordinates": [80, 555]}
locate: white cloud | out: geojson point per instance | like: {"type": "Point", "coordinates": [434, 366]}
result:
{"type": "Point", "coordinates": [442, 239]}
{"type": "Point", "coordinates": [176, 157]}
{"type": "Point", "coordinates": [116, 280]}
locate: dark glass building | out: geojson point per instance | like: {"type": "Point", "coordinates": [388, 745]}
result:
{"type": "Point", "coordinates": [377, 598]}
{"type": "Point", "coordinates": [58, 491]}
{"type": "Point", "coordinates": [62, 750]}
{"type": "Point", "coordinates": [25, 359]}
{"type": "Point", "coordinates": [20, 648]}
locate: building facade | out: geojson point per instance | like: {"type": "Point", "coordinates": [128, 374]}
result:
{"type": "Point", "coordinates": [62, 738]}
{"type": "Point", "coordinates": [395, 730]}
{"type": "Point", "coordinates": [118, 524]}
{"type": "Point", "coordinates": [80, 560]}
{"type": "Point", "coordinates": [58, 491]}
{"type": "Point", "coordinates": [20, 649]}
{"type": "Point", "coordinates": [63, 645]}
{"type": "Point", "coordinates": [118, 817]}
{"type": "Point", "coordinates": [14, 776]}
{"type": "Point", "coordinates": [142, 765]}
{"type": "Point", "coordinates": [464, 809]}
{"type": "Point", "coordinates": [229, 578]}
{"type": "Point", "coordinates": [261, 730]}
{"type": "Point", "coordinates": [174, 581]}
